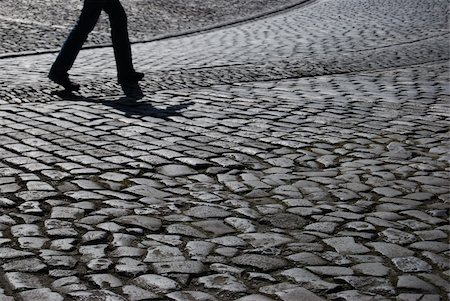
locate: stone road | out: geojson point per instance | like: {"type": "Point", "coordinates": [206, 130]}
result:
{"type": "Point", "coordinates": [303, 156]}
{"type": "Point", "coordinates": [41, 26]}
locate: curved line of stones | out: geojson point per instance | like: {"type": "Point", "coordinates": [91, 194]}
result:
{"type": "Point", "coordinates": [299, 4]}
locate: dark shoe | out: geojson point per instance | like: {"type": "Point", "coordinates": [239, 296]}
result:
{"type": "Point", "coordinates": [63, 80]}
{"type": "Point", "coordinates": [133, 77]}
{"type": "Point", "coordinates": [132, 90]}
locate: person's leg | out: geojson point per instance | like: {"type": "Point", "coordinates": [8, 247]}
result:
{"type": "Point", "coordinates": [121, 42]}
{"type": "Point", "coordinates": [127, 76]}
{"type": "Point", "coordinates": [72, 46]}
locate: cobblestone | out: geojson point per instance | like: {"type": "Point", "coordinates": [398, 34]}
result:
{"type": "Point", "coordinates": [42, 27]}
{"type": "Point", "coordinates": [301, 155]}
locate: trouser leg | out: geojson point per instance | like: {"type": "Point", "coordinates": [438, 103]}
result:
{"type": "Point", "coordinates": [120, 39]}
{"type": "Point", "coordinates": [72, 46]}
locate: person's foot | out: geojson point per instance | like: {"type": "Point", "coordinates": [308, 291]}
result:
{"type": "Point", "coordinates": [133, 77]}
{"type": "Point", "coordinates": [63, 80]}
{"type": "Point", "coordinates": [132, 89]}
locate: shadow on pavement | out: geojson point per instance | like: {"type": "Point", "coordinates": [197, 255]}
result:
{"type": "Point", "coordinates": [130, 106]}
{"type": "Point", "coordinates": [146, 109]}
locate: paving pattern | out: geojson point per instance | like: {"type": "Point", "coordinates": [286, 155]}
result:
{"type": "Point", "coordinates": [39, 26]}
{"type": "Point", "coordinates": [303, 156]}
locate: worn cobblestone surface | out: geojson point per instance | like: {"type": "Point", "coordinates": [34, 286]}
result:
{"type": "Point", "coordinates": [37, 26]}
{"type": "Point", "coordinates": [299, 157]}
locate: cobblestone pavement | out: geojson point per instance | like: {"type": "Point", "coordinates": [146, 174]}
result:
{"type": "Point", "coordinates": [299, 157]}
{"type": "Point", "coordinates": [42, 25]}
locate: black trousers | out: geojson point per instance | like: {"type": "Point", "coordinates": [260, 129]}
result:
{"type": "Point", "coordinates": [88, 19]}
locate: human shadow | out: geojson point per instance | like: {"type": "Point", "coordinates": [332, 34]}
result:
{"type": "Point", "coordinates": [132, 107]}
